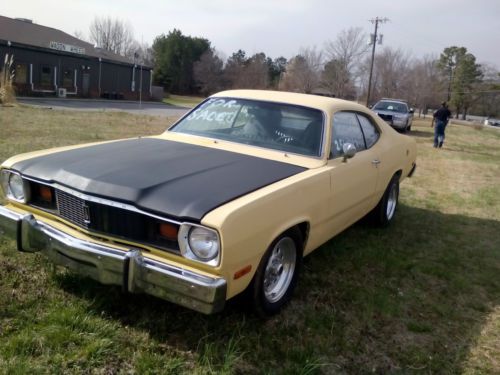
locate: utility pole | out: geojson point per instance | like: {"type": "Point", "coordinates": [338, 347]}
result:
{"type": "Point", "coordinates": [374, 40]}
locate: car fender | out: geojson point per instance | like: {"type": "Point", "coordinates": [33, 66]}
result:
{"type": "Point", "coordinates": [249, 224]}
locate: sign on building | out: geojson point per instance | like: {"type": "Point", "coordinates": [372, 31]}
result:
{"type": "Point", "coordinates": [67, 48]}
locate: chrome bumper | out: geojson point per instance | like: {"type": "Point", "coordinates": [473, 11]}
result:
{"type": "Point", "coordinates": [130, 269]}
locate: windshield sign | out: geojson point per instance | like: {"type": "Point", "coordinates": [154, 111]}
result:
{"type": "Point", "coordinates": [276, 126]}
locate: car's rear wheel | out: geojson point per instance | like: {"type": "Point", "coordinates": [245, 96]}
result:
{"type": "Point", "coordinates": [276, 276]}
{"type": "Point", "coordinates": [385, 210]}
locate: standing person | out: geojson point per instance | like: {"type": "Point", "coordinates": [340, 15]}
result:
{"type": "Point", "coordinates": [439, 121]}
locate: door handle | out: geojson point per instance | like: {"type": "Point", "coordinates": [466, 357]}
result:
{"type": "Point", "coordinates": [375, 162]}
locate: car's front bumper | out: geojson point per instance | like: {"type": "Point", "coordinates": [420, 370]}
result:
{"type": "Point", "coordinates": [130, 269]}
{"type": "Point", "coordinates": [398, 122]}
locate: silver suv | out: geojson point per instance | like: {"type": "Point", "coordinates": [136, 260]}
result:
{"type": "Point", "coordinates": [395, 112]}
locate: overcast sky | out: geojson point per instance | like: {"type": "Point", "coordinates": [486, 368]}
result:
{"type": "Point", "coordinates": [282, 27]}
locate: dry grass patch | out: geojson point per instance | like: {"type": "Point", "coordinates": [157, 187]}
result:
{"type": "Point", "coordinates": [25, 129]}
{"type": "Point", "coordinates": [461, 175]}
{"type": "Point", "coordinates": [484, 355]}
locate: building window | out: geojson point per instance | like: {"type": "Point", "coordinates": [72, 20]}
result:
{"type": "Point", "coordinates": [46, 76]}
{"type": "Point", "coordinates": [68, 76]}
{"type": "Point", "coordinates": [21, 74]}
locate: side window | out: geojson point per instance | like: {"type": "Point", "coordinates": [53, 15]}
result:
{"type": "Point", "coordinates": [346, 129]}
{"type": "Point", "coordinates": [369, 130]}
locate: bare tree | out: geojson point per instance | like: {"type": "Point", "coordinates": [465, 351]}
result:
{"type": "Point", "coordinates": [345, 53]}
{"type": "Point", "coordinates": [348, 48]}
{"type": "Point", "coordinates": [247, 73]}
{"type": "Point", "coordinates": [337, 80]}
{"type": "Point", "coordinates": [256, 73]}
{"type": "Point", "coordinates": [391, 74]}
{"type": "Point", "coordinates": [234, 69]}
{"type": "Point", "coordinates": [425, 84]}
{"type": "Point", "coordinates": [489, 92]}
{"type": "Point", "coordinates": [112, 35]}
{"type": "Point", "coordinates": [208, 72]}
{"type": "Point", "coordinates": [303, 71]}
{"type": "Point", "coordinates": [140, 53]}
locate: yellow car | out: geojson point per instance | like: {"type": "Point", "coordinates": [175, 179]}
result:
{"type": "Point", "coordinates": [229, 199]}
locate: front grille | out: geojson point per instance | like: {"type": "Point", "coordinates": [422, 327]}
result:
{"type": "Point", "coordinates": [387, 118]}
{"type": "Point", "coordinates": [107, 220]}
{"type": "Point", "coordinates": [72, 208]}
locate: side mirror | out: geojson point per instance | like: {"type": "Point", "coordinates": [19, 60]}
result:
{"type": "Point", "coordinates": [349, 151]}
{"type": "Point", "coordinates": [412, 110]}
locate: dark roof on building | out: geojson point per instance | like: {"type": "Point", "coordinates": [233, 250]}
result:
{"type": "Point", "coordinates": [26, 32]}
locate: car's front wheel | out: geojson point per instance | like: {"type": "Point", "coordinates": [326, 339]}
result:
{"type": "Point", "coordinates": [276, 277]}
{"type": "Point", "coordinates": [385, 210]}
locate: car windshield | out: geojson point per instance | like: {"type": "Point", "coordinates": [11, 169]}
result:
{"type": "Point", "coordinates": [277, 126]}
{"type": "Point", "coordinates": [391, 106]}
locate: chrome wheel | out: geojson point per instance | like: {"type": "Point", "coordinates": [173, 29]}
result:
{"type": "Point", "coordinates": [392, 201]}
{"type": "Point", "coordinates": [279, 270]}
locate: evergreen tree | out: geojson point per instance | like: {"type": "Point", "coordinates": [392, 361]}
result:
{"type": "Point", "coordinates": [460, 70]}
{"type": "Point", "coordinates": [175, 55]}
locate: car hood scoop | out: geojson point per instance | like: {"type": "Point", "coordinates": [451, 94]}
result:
{"type": "Point", "coordinates": [168, 178]}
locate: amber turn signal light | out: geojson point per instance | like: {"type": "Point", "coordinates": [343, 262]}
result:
{"type": "Point", "coordinates": [168, 231]}
{"type": "Point", "coordinates": [46, 193]}
{"type": "Point", "coordinates": [242, 272]}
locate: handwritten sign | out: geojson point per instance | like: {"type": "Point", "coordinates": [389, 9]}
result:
{"type": "Point", "coordinates": [220, 111]}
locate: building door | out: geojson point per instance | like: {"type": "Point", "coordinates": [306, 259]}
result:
{"type": "Point", "coordinates": [85, 84]}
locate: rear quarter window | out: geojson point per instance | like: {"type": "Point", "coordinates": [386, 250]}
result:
{"type": "Point", "coordinates": [370, 130]}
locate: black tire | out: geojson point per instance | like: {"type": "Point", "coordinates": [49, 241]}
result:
{"type": "Point", "coordinates": [262, 300]}
{"type": "Point", "coordinates": [384, 212]}
{"type": "Point", "coordinates": [408, 129]}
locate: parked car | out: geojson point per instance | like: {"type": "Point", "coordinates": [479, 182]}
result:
{"type": "Point", "coordinates": [491, 122]}
{"type": "Point", "coordinates": [228, 199]}
{"type": "Point", "coordinates": [395, 112]}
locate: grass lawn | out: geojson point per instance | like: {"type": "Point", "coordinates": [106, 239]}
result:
{"type": "Point", "coordinates": [422, 296]}
{"type": "Point", "coordinates": [183, 101]}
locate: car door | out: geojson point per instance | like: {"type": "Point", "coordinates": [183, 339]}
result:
{"type": "Point", "coordinates": [352, 181]}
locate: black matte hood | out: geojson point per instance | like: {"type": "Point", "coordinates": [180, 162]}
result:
{"type": "Point", "coordinates": [173, 179]}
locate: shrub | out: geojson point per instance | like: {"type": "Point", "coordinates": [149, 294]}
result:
{"type": "Point", "coordinates": [7, 93]}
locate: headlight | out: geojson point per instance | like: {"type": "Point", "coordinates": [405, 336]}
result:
{"type": "Point", "coordinates": [199, 243]}
{"type": "Point", "coordinates": [204, 243]}
{"type": "Point", "coordinates": [14, 187]}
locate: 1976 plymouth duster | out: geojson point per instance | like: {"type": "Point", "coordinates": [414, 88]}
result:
{"type": "Point", "coordinates": [229, 199]}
